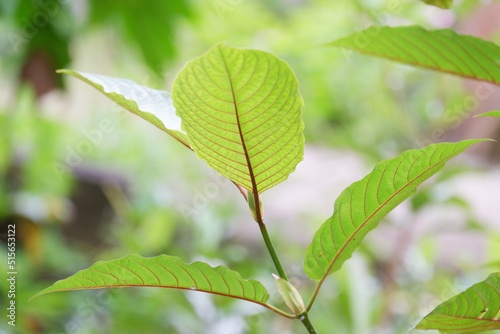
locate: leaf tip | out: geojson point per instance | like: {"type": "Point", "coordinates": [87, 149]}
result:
{"type": "Point", "coordinates": [36, 295]}
{"type": "Point", "coordinates": [487, 139]}
{"type": "Point", "coordinates": [471, 142]}
{"type": "Point", "coordinates": [493, 113]}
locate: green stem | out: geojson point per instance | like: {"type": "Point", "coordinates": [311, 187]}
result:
{"type": "Point", "coordinates": [259, 217]}
{"type": "Point", "coordinates": [272, 251]}
{"type": "Point", "coordinates": [304, 317]}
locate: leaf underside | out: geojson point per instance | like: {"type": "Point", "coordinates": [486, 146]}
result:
{"type": "Point", "coordinates": [152, 105]}
{"type": "Point", "coordinates": [444, 4]}
{"type": "Point", "coordinates": [362, 205]}
{"type": "Point", "coordinates": [163, 272]}
{"type": "Point", "coordinates": [474, 310]}
{"type": "Point", "coordinates": [439, 50]}
{"type": "Point", "coordinates": [242, 112]}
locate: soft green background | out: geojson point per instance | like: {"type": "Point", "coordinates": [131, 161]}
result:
{"type": "Point", "coordinates": [354, 106]}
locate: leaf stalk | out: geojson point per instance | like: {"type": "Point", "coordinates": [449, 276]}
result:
{"type": "Point", "coordinates": [304, 317]}
{"type": "Point", "coordinates": [267, 239]}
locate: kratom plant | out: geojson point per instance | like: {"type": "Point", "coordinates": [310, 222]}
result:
{"type": "Point", "coordinates": [240, 111]}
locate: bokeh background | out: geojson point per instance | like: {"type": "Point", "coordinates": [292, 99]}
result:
{"type": "Point", "coordinates": [80, 192]}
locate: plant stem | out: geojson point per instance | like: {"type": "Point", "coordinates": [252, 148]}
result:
{"type": "Point", "coordinates": [259, 217]}
{"type": "Point", "coordinates": [272, 251]}
{"type": "Point", "coordinates": [304, 317]}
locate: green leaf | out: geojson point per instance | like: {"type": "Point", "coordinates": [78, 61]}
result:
{"type": "Point", "coordinates": [493, 113]}
{"type": "Point", "coordinates": [444, 4]}
{"type": "Point", "coordinates": [163, 272]}
{"type": "Point", "coordinates": [362, 205]}
{"type": "Point", "coordinates": [439, 50]}
{"type": "Point", "coordinates": [155, 106]}
{"type": "Point", "coordinates": [475, 310]}
{"type": "Point", "coordinates": [242, 112]}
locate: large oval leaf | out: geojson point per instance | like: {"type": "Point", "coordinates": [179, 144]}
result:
{"type": "Point", "coordinates": [155, 106]}
{"type": "Point", "coordinates": [163, 272]}
{"type": "Point", "coordinates": [242, 112]}
{"type": "Point", "coordinates": [474, 310]}
{"type": "Point", "coordinates": [362, 205]}
{"type": "Point", "coordinates": [440, 50]}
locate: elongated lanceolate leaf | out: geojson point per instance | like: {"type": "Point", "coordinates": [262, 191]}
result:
{"type": "Point", "coordinates": [444, 4]}
{"type": "Point", "coordinates": [362, 205]}
{"type": "Point", "coordinates": [493, 113]}
{"type": "Point", "coordinates": [439, 50]}
{"type": "Point", "coordinates": [475, 310]}
{"type": "Point", "coordinates": [242, 112]}
{"type": "Point", "coordinates": [163, 272]}
{"type": "Point", "coordinates": [155, 106]}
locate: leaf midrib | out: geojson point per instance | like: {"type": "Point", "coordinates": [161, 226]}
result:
{"type": "Point", "coordinates": [240, 132]}
{"type": "Point", "coordinates": [348, 240]}
{"type": "Point", "coordinates": [161, 286]}
{"type": "Point", "coordinates": [414, 63]}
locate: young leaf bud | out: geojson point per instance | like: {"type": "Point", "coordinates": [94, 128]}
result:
{"type": "Point", "coordinates": [290, 295]}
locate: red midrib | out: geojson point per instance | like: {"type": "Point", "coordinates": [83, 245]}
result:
{"type": "Point", "coordinates": [245, 151]}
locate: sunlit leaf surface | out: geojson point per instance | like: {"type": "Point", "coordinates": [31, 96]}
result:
{"type": "Point", "coordinates": [163, 272]}
{"type": "Point", "coordinates": [440, 50]}
{"type": "Point", "coordinates": [242, 112]}
{"type": "Point", "coordinates": [475, 310]}
{"type": "Point", "coordinates": [362, 205]}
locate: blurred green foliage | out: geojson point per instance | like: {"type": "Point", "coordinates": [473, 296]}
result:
{"type": "Point", "coordinates": [352, 102]}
